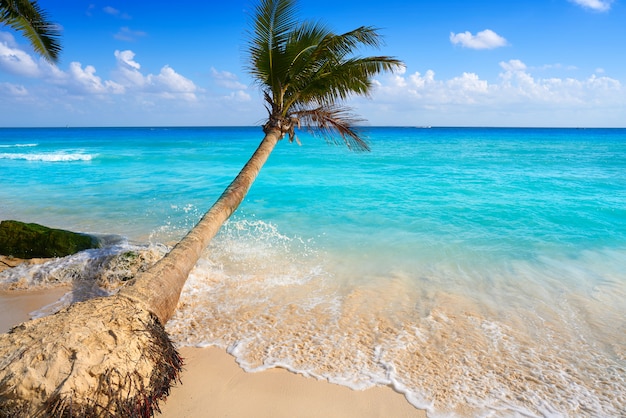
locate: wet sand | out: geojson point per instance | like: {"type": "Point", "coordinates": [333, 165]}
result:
{"type": "Point", "coordinates": [213, 385]}
{"type": "Point", "coordinates": [15, 306]}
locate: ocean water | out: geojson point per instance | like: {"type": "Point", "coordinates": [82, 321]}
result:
{"type": "Point", "coordinates": [480, 272]}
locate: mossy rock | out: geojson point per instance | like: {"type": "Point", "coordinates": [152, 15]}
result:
{"type": "Point", "coordinates": [29, 240]}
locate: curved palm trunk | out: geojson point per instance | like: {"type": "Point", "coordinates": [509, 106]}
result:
{"type": "Point", "coordinates": [111, 356]}
{"type": "Point", "coordinates": [158, 289]}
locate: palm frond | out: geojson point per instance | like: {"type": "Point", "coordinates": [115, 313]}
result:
{"type": "Point", "coordinates": [305, 71]}
{"type": "Point", "coordinates": [332, 121]}
{"type": "Point", "coordinates": [302, 45]}
{"type": "Point", "coordinates": [345, 79]}
{"type": "Point", "coordinates": [27, 17]}
{"type": "Point", "coordinates": [328, 72]}
{"type": "Point", "coordinates": [345, 44]}
{"type": "Point", "coordinates": [273, 21]}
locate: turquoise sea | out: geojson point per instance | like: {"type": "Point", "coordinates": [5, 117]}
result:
{"type": "Point", "coordinates": [480, 272]}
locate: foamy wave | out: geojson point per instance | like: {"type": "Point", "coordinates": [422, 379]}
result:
{"type": "Point", "coordinates": [52, 157]}
{"type": "Point", "coordinates": [90, 273]}
{"type": "Point", "coordinates": [273, 301]}
{"type": "Point", "coordinates": [454, 364]}
{"type": "Point", "coordinates": [17, 145]}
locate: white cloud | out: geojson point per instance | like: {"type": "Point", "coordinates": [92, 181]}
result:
{"type": "Point", "coordinates": [515, 98]}
{"type": "Point", "coordinates": [557, 67]}
{"type": "Point", "coordinates": [227, 79]}
{"type": "Point", "coordinates": [236, 91]}
{"type": "Point", "coordinates": [486, 39]}
{"type": "Point", "coordinates": [171, 84]}
{"type": "Point", "coordinates": [133, 95]}
{"type": "Point", "coordinates": [469, 83]}
{"type": "Point", "coordinates": [86, 77]}
{"type": "Point", "coordinates": [79, 95]}
{"type": "Point", "coordinates": [9, 89]}
{"type": "Point", "coordinates": [7, 38]}
{"type": "Point", "coordinates": [128, 35]}
{"type": "Point", "coordinates": [14, 60]}
{"type": "Point", "coordinates": [110, 10]}
{"type": "Point", "coordinates": [168, 83]}
{"type": "Point", "coordinates": [513, 65]}
{"type": "Point", "coordinates": [596, 5]}
{"type": "Point", "coordinates": [127, 72]}
{"type": "Point", "coordinates": [85, 81]}
{"type": "Point", "coordinates": [115, 12]}
{"type": "Point", "coordinates": [239, 96]}
{"type": "Point", "coordinates": [126, 60]}
{"type": "Point", "coordinates": [78, 81]}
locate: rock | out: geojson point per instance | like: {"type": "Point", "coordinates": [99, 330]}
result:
{"type": "Point", "coordinates": [29, 240]}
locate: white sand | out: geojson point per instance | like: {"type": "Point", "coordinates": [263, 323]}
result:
{"type": "Point", "coordinates": [15, 306]}
{"type": "Point", "coordinates": [213, 385]}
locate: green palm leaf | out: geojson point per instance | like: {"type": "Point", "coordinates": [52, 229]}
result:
{"type": "Point", "coordinates": [28, 17]}
{"type": "Point", "coordinates": [305, 71]}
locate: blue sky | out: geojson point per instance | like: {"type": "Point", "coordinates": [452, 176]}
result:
{"type": "Point", "coordinates": [468, 63]}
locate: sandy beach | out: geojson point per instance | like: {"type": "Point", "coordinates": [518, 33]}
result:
{"type": "Point", "coordinates": [213, 385]}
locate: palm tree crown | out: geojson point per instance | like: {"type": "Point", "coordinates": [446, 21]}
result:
{"type": "Point", "coordinates": [27, 17]}
{"type": "Point", "coordinates": [305, 71]}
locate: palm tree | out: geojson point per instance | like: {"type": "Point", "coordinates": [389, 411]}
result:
{"type": "Point", "coordinates": [305, 71]}
{"type": "Point", "coordinates": [27, 17]}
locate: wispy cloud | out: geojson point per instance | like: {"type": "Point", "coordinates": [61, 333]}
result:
{"type": "Point", "coordinates": [596, 5]}
{"type": "Point", "coordinates": [557, 66]}
{"type": "Point", "coordinates": [227, 80]}
{"type": "Point", "coordinates": [13, 90]}
{"type": "Point", "coordinates": [115, 12]}
{"type": "Point", "coordinates": [129, 35]}
{"type": "Point", "coordinates": [486, 39]}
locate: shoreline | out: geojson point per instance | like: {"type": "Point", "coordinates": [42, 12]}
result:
{"type": "Point", "coordinates": [214, 385]}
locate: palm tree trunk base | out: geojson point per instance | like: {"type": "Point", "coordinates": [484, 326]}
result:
{"type": "Point", "coordinates": [102, 357]}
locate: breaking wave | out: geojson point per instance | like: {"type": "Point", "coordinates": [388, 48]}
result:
{"type": "Point", "coordinates": [47, 157]}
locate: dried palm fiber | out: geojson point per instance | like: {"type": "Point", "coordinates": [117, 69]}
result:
{"type": "Point", "coordinates": [104, 357]}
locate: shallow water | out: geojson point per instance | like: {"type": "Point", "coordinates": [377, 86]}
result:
{"type": "Point", "coordinates": [482, 269]}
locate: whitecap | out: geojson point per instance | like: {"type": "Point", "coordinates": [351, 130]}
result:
{"type": "Point", "coordinates": [47, 157]}
{"type": "Point", "coordinates": [17, 145]}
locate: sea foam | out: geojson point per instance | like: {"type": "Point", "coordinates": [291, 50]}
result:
{"type": "Point", "coordinates": [47, 157]}
{"type": "Point", "coordinates": [446, 350]}
{"type": "Point", "coordinates": [17, 145]}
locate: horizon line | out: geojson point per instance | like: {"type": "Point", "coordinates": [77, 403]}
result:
{"type": "Point", "coordinates": [304, 128]}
